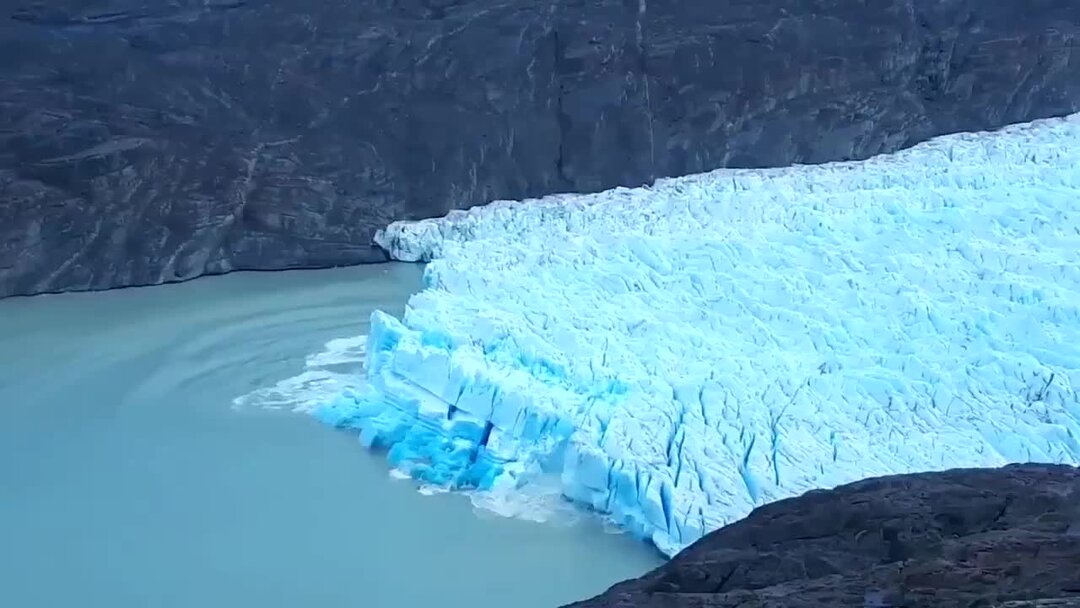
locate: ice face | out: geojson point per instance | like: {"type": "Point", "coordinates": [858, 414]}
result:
{"type": "Point", "coordinates": [680, 354]}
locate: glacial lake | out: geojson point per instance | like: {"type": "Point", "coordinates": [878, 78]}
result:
{"type": "Point", "coordinates": [152, 454]}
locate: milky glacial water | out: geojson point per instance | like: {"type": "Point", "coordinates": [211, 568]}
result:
{"type": "Point", "coordinates": [154, 452]}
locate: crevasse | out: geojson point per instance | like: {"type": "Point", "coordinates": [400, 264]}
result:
{"type": "Point", "coordinates": [681, 353]}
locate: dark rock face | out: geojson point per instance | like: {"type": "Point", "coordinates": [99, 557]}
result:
{"type": "Point", "coordinates": [963, 538]}
{"type": "Point", "coordinates": [145, 141]}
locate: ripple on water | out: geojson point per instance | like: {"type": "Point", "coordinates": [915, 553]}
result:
{"type": "Point", "coordinates": [150, 455]}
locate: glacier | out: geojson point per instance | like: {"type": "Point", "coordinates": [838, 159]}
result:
{"type": "Point", "coordinates": [674, 355]}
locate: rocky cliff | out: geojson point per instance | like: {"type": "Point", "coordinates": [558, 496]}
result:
{"type": "Point", "coordinates": [146, 141]}
{"type": "Point", "coordinates": [965, 538]}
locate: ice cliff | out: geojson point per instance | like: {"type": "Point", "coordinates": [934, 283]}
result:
{"type": "Point", "coordinates": [679, 354]}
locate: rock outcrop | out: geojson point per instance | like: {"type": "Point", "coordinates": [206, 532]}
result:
{"type": "Point", "coordinates": [1006, 537]}
{"type": "Point", "coordinates": [151, 141]}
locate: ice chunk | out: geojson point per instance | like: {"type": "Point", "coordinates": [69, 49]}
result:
{"type": "Point", "coordinates": [675, 355]}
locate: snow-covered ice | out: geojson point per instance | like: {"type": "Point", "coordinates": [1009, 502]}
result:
{"type": "Point", "coordinates": [674, 356]}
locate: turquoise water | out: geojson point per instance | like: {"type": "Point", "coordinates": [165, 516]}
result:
{"type": "Point", "coordinates": [150, 455]}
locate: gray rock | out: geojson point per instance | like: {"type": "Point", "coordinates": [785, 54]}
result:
{"type": "Point", "coordinates": [1007, 538]}
{"type": "Point", "coordinates": [151, 141]}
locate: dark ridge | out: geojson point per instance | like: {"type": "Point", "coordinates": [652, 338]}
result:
{"type": "Point", "coordinates": [965, 538]}
{"type": "Point", "coordinates": [144, 142]}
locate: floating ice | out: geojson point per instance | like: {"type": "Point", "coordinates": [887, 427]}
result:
{"type": "Point", "coordinates": [679, 354]}
{"type": "Point", "coordinates": [326, 374]}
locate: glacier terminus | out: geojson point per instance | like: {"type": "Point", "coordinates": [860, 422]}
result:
{"type": "Point", "coordinates": [675, 355]}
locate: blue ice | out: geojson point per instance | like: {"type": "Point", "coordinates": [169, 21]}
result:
{"type": "Point", "coordinates": [679, 354]}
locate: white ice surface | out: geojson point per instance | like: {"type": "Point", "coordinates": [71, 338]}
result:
{"type": "Point", "coordinates": [677, 355]}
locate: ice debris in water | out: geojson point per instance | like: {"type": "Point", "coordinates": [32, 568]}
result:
{"type": "Point", "coordinates": [678, 354]}
{"type": "Point", "coordinates": [326, 374]}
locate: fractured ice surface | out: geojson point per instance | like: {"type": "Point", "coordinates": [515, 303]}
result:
{"type": "Point", "coordinates": [679, 354]}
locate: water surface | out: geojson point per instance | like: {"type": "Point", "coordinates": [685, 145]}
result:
{"type": "Point", "coordinates": [150, 456]}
